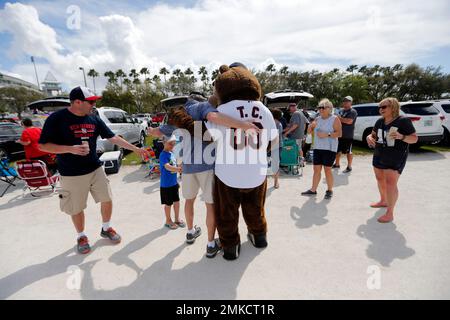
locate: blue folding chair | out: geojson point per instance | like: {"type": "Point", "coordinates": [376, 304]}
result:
{"type": "Point", "coordinates": [8, 175]}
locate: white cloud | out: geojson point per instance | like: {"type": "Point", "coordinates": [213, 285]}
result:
{"type": "Point", "coordinates": [305, 34]}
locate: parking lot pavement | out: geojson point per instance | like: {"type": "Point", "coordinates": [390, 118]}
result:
{"type": "Point", "coordinates": [318, 249]}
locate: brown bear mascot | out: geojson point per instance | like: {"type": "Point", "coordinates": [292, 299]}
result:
{"type": "Point", "coordinates": [241, 160]}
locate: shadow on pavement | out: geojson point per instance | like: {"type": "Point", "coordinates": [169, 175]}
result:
{"type": "Point", "coordinates": [137, 175]}
{"type": "Point", "coordinates": [22, 278]}
{"type": "Point", "coordinates": [341, 179]}
{"type": "Point", "coordinates": [387, 244]}
{"type": "Point", "coordinates": [206, 278]}
{"type": "Point", "coordinates": [311, 214]}
{"type": "Point", "coordinates": [122, 257]}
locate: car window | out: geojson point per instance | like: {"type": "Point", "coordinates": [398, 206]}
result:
{"type": "Point", "coordinates": [446, 107]}
{"type": "Point", "coordinates": [110, 115]}
{"type": "Point", "coordinates": [367, 111]}
{"type": "Point", "coordinates": [420, 109]}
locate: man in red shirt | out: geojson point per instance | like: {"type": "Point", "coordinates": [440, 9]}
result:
{"type": "Point", "coordinates": [29, 140]}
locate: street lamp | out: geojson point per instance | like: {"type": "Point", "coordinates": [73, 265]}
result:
{"type": "Point", "coordinates": [84, 75]}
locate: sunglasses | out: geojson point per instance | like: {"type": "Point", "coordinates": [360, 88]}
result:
{"type": "Point", "coordinates": [382, 107]}
{"type": "Point", "coordinates": [321, 108]}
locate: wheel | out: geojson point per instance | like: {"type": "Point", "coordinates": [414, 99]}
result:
{"type": "Point", "coordinates": [446, 140]}
{"type": "Point", "coordinates": [142, 140]}
{"type": "Point", "coordinates": [365, 134]}
{"type": "Point", "coordinates": [3, 153]}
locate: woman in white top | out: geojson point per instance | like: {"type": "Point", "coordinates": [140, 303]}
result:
{"type": "Point", "coordinates": [326, 130]}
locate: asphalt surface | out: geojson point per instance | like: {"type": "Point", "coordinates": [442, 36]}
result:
{"type": "Point", "coordinates": [318, 249]}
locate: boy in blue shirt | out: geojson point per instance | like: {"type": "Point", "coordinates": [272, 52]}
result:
{"type": "Point", "coordinates": [169, 184]}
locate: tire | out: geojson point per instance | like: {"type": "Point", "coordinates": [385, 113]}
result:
{"type": "Point", "coordinates": [365, 134]}
{"type": "Point", "coordinates": [446, 140]}
{"type": "Point", "coordinates": [3, 153]}
{"type": "Point", "coordinates": [141, 142]}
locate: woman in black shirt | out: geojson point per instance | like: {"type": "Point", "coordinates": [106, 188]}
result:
{"type": "Point", "coordinates": [391, 138]}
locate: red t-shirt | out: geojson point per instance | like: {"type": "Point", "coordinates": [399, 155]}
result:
{"type": "Point", "coordinates": [32, 150]}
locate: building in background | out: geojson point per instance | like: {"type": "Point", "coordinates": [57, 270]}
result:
{"type": "Point", "coordinates": [9, 81]}
{"type": "Point", "coordinates": [50, 86]}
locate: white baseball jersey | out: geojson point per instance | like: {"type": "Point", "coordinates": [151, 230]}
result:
{"type": "Point", "coordinates": [241, 161]}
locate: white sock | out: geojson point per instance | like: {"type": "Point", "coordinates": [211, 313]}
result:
{"type": "Point", "coordinates": [192, 231]}
{"type": "Point", "coordinates": [105, 226]}
{"type": "Point", "coordinates": [81, 234]}
{"type": "Point", "coordinates": [212, 244]}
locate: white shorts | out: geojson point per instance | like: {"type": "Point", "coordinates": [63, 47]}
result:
{"type": "Point", "coordinates": [192, 182]}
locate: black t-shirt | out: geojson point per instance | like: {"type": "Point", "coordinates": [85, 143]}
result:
{"type": "Point", "coordinates": [65, 128]}
{"type": "Point", "coordinates": [348, 130]}
{"type": "Point", "coordinates": [405, 127]}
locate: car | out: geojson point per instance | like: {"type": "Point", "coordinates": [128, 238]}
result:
{"type": "Point", "coordinates": [283, 98]}
{"type": "Point", "coordinates": [50, 104]}
{"type": "Point", "coordinates": [159, 117]}
{"type": "Point", "coordinates": [123, 125]}
{"type": "Point", "coordinates": [9, 134]}
{"type": "Point", "coordinates": [444, 107]}
{"type": "Point", "coordinates": [425, 117]}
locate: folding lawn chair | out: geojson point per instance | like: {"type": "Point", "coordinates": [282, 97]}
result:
{"type": "Point", "coordinates": [36, 176]}
{"type": "Point", "coordinates": [8, 175]}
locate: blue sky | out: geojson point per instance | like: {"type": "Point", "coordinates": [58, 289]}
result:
{"type": "Point", "coordinates": [303, 34]}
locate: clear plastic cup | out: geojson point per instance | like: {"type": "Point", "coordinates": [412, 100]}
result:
{"type": "Point", "coordinates": [391, 142]}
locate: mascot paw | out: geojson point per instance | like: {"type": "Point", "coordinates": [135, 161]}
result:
{"type": "Point", "coordinates": [232, 253]}
{"type": "Point", "coordinates": [259, 241]}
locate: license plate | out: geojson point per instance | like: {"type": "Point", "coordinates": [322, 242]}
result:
{"type": "Point", "coordinates": [428, 123]}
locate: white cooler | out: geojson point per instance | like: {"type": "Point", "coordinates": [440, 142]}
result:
{"type": "Point", "coordinates": [111, 161]}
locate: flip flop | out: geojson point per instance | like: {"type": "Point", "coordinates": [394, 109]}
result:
{"type": "Point", "coordinates": [374, 205]}
{"type": "Point", "coordinates": [384, 221]}
{"type": "Point", "coordinates": [180, 224]}
{"type": "Point", "coordinates": [171, 226]}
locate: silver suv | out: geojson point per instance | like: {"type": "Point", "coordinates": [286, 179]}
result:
{"type": "Point", "coordinates": [122, 125]}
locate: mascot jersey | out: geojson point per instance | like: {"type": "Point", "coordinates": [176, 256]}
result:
{"type": "Point", "coordinates": [241, 162]}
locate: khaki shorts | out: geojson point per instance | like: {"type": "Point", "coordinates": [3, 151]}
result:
{"type": "Point", "coordinates": [192, 182]}
{"type": "Point", "coordinates": [75, 190]}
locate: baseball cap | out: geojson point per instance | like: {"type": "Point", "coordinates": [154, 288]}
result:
{"type": "Point", "coordinates": [83, 94]}
{"type": "Point", "coordinates": [168, 138]}
{"type": "Point", "coordinates": [348, 98]}
{"type": "Point", "coordinates": [238, 64]}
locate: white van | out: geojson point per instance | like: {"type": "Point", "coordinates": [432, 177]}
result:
{"type": "Point", "coordinates": [425, 117]}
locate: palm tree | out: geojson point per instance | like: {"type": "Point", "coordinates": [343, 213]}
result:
{"type": "Point", "coordinates": [92, 73]}
{"type": "Point", "coordinates": [144, 71]}
{"type": "Point", "coordinates": [270, 68]}
{"type": "Point", "coordinates": [111, 77]}
{"type": "Point", "coordinates": [163, 71]}
{"type": "Point", "coordinates": [204, 77]}
{"type": "Point", "coordinates": [120, 75]}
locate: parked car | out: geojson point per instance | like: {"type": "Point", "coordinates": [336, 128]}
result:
{"type": "Point", "coordinates": [9, 134]}
{"type": "Point", "coordinates": [159, 117]}
{"type": "Point", "coordinates": [444, 107]}
{"type": "Point", "coordinates": [122, 125]}
{"type": "Point", "coordinates": [283, 98]}
{"type": "Point", "coordinates": [50, 104]}
{"type": "Point", "coordinates": [425, 117]}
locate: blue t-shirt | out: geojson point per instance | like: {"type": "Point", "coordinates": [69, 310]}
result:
{"type": "Point", "coordinates": [168, 179]}
{"type": "Point", "coordinates": [198, 111]}
{"type": "Point", "coordinates": [65, 128]}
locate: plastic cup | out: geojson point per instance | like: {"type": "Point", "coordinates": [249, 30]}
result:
{"type": "Point", "coordinates": [389, 140]}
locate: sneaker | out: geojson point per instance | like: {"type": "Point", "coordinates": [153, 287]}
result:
{"type": "Point", "coordinates": [349, 169]}
{"type": "Point", "coordinates": [232, 253]}
{"type": "Point", "coordinates": [212, 251]}
{"type": "Point", "coordinates": [190, 238]}
{"type": "Point", "coordinates": [259, 241]}
{"type": "Point", "coordinates": [328, 194]}
{"type": "Point", "coordinates": [111, 234]}
{"type": "Point", "coordinates": [309, 193]}
{"type": "Point", "coordinates": [336, 166]}
{"type": "Point", "coordinates": [83, 246]}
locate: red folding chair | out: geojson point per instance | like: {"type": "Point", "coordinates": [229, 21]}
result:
{"type": "Point", "coordinates": [36, 176]}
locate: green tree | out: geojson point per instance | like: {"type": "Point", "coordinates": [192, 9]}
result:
{"type": "Point", "coordinates": [93, 74]}
{"type": "Point", "coordinates": [16, 99]}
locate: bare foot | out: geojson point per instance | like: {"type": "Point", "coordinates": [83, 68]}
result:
{"type": "Point", "coordinates": [378, 204]}
{"type": "Point", "coordinates": [276, 185]}
{"type": "Point", "coordinates": [386, 218]}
